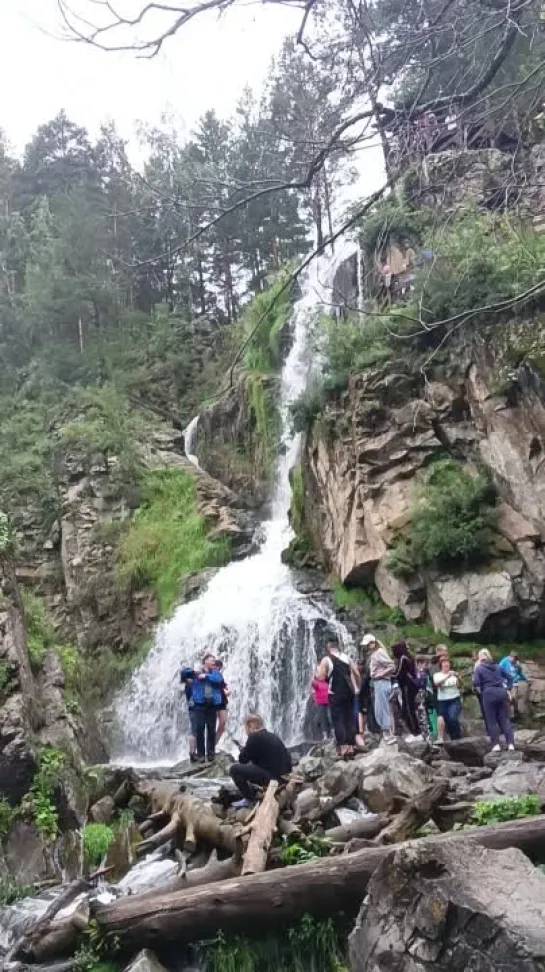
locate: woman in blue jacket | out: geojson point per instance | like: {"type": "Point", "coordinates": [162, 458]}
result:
{"type": "Point", "coordinates": [206, 697]}
{"type": "Point", "coordinates": [492, 684]}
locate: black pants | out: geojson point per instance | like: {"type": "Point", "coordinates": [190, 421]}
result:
{"type": "Point", "coordinates": [342, 717]}
{"type": "Point", "coordinates": [204, 721]}
{"type": "Point", "coordinates": [247, 776]}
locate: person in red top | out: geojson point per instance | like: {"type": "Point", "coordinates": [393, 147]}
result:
{"type": "Point", "coordinates": [320, 695]}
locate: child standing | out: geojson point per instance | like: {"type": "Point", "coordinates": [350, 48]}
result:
{"type": "Point", "coordinates": [320, 695]}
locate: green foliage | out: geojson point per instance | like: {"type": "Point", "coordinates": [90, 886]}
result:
{"type": "Point", "coordinates": [5, 533]}
{"type": "Point", "coordinates": [310, 946]}
{"type": "Point", "coordinates": [264, 319]}
{"type": "Point", "coordinates": [489, 812]}
{"type": "Point", "coordinates": [97, 837]}
{"type": "Point", "coordinates": [39, 803]}
{"type": "Point", "coordinates": [7, 816]}
{"type": "Point", "coordinates": [97, 951]}
{"type": "Point", "coordinates": [294, 852]}
{"type": "Point", "coordinates": [481, 259]}
{"type": "Point", "coordinates": [351, 346]}
{"type": "Point", "coordinates": [392, 222]}
{"type": "Point", "coordinates": [369, 601]}
{"type": "Point", "coordinates": [450, 522]}
{"type": "Point", "coordinates": [7, 674]}
{"type": "Point", "coordinates": [11, 891]}
{"type": "Point", "coordinates": [265, 415]}
{"type": "Point", "coordinates": [166, 540]}
{"type": "Point", "coordinates": [297, 507]}
{"type": "Point", "coordinates": [39, 629]}
{"type": "Point", "coordinates": [306, 408]}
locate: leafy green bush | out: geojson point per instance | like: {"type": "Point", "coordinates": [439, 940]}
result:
{"type": "Point", "coordinates": [39, 629]}
{"type": "Point", "coordinates": [97, 837]}
{"type": "Point", "coordinates": [39, 802]}
{"type": "Point", "coordinates": [351, 346]}
{"type": "Point", "coordinates": [7, 816]}
{"type": "Point", "coordinates": [266, 417]}
{"type": "Point", "coordinates": [450, 521]}
{"type": "Point", "coordinates": [266, 316]}
{"type": "Point", "coordinates": [294, 852]}
{"type": "Point", "coordinates": [166, 540]}
{"type": "Point", "coordinates": [488, 812]}
{"type": "Point", "coordinates": [11, 891]}
{"type": "Point", "coordinates": [314, 945]}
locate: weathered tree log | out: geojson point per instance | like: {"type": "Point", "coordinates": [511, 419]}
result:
{"type": "Point", "coordinates": [24, 946]}
{"type": "Point", "coordinates": [264, 900]}
{"type": "Point", "coordinates": [366, 827]}
{"type": "Point", "coordinates": [262, 832]}
{"type": "Point", "coordinates": [416, 812]}
{"type": "Point", "coordinates": [189, 818]}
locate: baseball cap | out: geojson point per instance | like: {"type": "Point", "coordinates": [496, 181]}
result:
{"type": "Point", "coordinates": [367, 640]}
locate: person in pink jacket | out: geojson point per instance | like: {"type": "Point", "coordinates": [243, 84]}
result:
{"type": "Point", "coordinates": [320, 695]}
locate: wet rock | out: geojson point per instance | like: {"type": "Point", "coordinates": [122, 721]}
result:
{"type": "Point", "coordinates": [452, 907]}
{"type": "Point", "coordinates": [312, 767]}
{"type": "Point", "coordinates": [516, 779]}
{"type": "Point", "coordinates": [103, 810]}
{"type": "Point", "coordinates": [470, 750]}
{"type": "Point", "coordinates": [389, 778]}
{"type": "Point", "coordinates": [492, 760]}
{"type": "Point", "coordinates": [28, 855]}
{"type": "Point", "coordinates": [306, 801]}
{"type": "Point", "coordinates": [145, 961]}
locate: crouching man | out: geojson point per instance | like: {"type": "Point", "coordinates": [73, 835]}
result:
{"type": "Point", "coordinates": [262, 759]}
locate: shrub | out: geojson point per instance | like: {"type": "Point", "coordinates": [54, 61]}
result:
{"type": "Point", "coordinates": [7, 815]}
{"type": "Point", "coordinates": [306, 408]}
{"type": "Point", "coordinates": [450, 523]}
{"type": "Point", "coordinates": [267, 314]}
{"type": "Point", "coordinates": [39, 629]}
{"type": "Point", "coordinates": [507, 808]}
{"type": "Point", "coordinates": [166, 540]}
{"type": "Point", "coordinates": [97, 837]}
{"type": "Point", "coordinates": [39, 802]}
{"type": "Point", "coordinates": [352, 345]}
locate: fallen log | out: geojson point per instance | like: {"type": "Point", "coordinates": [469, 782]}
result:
{"type": "Point", "coordinates": [262, 832]}
{"type": "Point", "coordinates": [282, 896]}
{"type": "Point", "coordinates": [367, 827]}
{"type": "Point", "coordinates": [189, 819]}
{"type": "Point", "coordinates": [416, 812]}
{"type": "Point", "coordinates": [24, 946]}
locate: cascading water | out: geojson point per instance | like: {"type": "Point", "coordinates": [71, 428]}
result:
{"type": "Point", "coordinates": [251, 614]}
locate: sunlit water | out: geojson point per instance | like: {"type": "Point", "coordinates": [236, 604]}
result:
{"type": "Point", "coordinates": [251, 613]}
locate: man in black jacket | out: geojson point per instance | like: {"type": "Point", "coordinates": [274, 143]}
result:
{"type": "Point", "coordinates": [263, 758]}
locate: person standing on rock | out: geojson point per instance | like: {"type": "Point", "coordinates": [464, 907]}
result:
{"type": "Point", "coordinates": [510, 666]}
{"type": "Point", "coordinates": [381, 671]}
{"type": "Point", "coordinates": [449, 701]}
{"type": "Point", "coordinates": [262, 759]}
{"type": "Point", "coordinates": [320, 695]}
{"type": "Point", "coordinates": [222, 707]}
{"type": "Point", "coordinates": [409, 684]}
{"type": "Point", "coordinates": [343, 678]}
{"type": "Point", "coordinates": [492, 684]}
{"type": "Point", "coordinates": [187, 677]}
{"type": "Point", "coordinates": [206, 695]}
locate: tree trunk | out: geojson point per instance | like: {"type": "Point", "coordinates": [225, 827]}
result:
{"type": "Point", "coordinates": [365, 827]}
{"type": "Point", "coordinates": [188, 818]}
{"type": "Point", "coordinates": [262, 832]}
{"type": "Point", "coordinates": [283, 896]}
{"type": "Point", "coordinates": [414, 814]}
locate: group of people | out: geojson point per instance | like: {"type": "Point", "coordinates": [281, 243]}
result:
{"type": "Point", "coordinates": [207, 696]}
{"type": "Point", "coordinates": [390, 691]}
{"type": "Point", "coordinates": [263, 758]}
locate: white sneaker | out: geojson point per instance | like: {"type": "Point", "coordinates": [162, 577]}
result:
{"type": "Point", "coordinates": [496, 748]}
{"type": "Point", "coordinates": [511, 747]}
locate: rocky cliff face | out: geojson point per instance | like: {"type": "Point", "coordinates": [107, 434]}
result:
{"type": "Point", "coordinates": [367, 453]}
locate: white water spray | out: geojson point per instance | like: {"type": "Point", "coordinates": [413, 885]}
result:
{"type": "Point", "coordinates": [190, 441]}
{"type": "Point", "coordinates": [250, 614]}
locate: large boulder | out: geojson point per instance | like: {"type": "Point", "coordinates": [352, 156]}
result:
{"type": "Point", "coordinates": [389, 778]}
{"type": "Point", "coordinates": [473, 603]}
{"type": "Point", "coordinates": [452, 907]}
{"type": "Point", "coordinates": [512, 778]}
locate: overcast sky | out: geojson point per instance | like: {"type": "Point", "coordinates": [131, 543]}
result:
{"type": "Point", "coordinates": [206, 66]}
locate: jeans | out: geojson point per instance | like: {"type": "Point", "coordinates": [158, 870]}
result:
{"type": "Point", "coordinates": [342, 717]}
{"type": "Point", "coordinates": [496, 709]}
{"type": "Point", "coordinates": [323, 721]}
{"type": "Point", "coordinates": [248, 776]}
{"type": "Point", "coordinates": [450, 710]}
{"type": "Point", "coordinates": [204, 723]}
{"type": "Point", "coordinates": [381, 692]}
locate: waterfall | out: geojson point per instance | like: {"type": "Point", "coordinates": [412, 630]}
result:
{"type": "Point", "coordinates": [190, 441]}
{"type": "Point", "coordinates": [251, 614]}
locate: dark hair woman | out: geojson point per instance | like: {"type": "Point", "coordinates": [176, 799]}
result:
{"type": "Point", "coordinates": [409, 683]}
